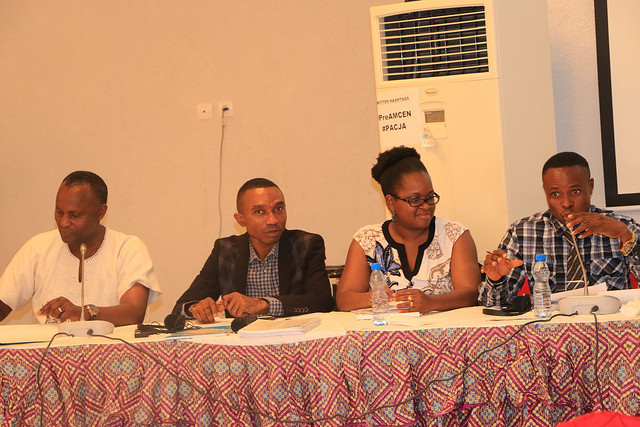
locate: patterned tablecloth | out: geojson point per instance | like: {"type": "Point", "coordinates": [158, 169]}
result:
{"type": "Point", "coordinates": [543, 375]}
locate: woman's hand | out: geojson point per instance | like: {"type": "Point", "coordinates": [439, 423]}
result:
{"type": "Point", "coordinates": [410, 300]}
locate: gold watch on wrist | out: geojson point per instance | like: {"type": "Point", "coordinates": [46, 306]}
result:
{"type": "Point", "coordinates": [626, 247]}
{"type": "Point", "coordinates": [92, 310]}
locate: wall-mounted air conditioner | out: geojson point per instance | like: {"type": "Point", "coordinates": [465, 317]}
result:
{"type": "Point", "coordinates": [469, 84]}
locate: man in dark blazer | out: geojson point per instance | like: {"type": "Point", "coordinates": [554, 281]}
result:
{"type": "Point", "coordinates": [268, 270]}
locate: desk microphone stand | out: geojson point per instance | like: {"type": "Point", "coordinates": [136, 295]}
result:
{"type": "Point", "coordinates": [587, 304]}
{"type": "Point", "coordinates": [85, 328]}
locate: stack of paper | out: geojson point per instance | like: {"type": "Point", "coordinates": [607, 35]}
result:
{"type": "Point", "coordinates": [270, 328]}
{"type": "Point", "coordinates": [24, 334]}
{"type": "Point", "coordinates": [367, 313]}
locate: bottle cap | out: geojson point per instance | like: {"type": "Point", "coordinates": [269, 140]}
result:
{"type": "Point", "coordinates": [541, 257]}
{"type": "Point", "coordinates": [376, 266]}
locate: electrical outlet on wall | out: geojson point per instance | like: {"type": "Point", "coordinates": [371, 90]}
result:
{"type": "Point", "coordinates": [229, 108]}
{"type": "Point", "coordinates": [204, 111]}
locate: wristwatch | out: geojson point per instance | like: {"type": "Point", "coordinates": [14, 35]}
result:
{"type": "Point", "coordinates": [92, 310]}
{"type": "Point", "coordinates": [627, 246]}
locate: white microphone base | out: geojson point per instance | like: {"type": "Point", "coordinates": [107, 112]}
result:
{"type": "Point", "coordinates": [583, 305]}
{"type": "Point", "coordinates": [86, 328]}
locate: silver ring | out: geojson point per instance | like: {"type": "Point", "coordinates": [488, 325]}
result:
{"type": "Point", "coordinates": [410, 299]}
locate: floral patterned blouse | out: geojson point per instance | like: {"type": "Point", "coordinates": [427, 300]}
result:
{"type": "Point", "coordinates": [431, 273]}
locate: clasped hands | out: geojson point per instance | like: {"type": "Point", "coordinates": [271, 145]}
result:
{"type": "Point", "coordinates": [409, 300]}
{"type": "Point", "coordinates": [237, 304]}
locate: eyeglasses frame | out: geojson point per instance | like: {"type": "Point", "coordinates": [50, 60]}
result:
{"type": "Point", "coordinates": [435, 196]}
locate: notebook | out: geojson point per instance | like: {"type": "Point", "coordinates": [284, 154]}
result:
{"type": "Point", "coordinates": [278, 327]}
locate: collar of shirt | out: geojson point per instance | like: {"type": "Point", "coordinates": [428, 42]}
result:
{"type": "Point", "coordinates": [253, 255]}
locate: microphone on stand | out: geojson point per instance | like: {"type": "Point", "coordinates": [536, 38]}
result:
{"type": "Point", "coordinates": [587, 304]}
{"type": "Point", "coordinates": [83, 250]}
{"type": "Point", "coordinates": [85, 328]}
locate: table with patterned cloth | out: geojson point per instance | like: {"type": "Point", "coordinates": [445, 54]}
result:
{"type": "Point", "coordinates": [429, 373]}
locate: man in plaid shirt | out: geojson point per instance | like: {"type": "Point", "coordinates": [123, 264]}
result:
{"type": "Point", "coordinates": [606, 242]}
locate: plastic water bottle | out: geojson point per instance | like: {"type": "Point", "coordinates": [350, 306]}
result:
{"type": "Point", "coordinates": [541, 289]}
{"type": "Point", "coordinates": [379, 298]}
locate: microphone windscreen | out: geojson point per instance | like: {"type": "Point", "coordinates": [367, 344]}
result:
{"type": "Point", "coordinates": [174, 322]}
{"type": "Point", "coordinates": [240, 322]}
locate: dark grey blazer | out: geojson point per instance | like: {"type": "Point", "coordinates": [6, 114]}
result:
{"type": "Point", "coordinates": [304, 285]}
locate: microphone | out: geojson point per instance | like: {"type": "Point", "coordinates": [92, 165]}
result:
{"type": "Point", "coordinates": [584, 271]}
{"type": "Point", "coordinates": [83, 250]}
{"type": "Point", "coordinates": [85, 328]}
{"type": "Point", "coordinates": [587, 304]}
{"type": "Point", "coordinates": [240, 322]}
{"type": "Point", "coordinates": [174, 322]}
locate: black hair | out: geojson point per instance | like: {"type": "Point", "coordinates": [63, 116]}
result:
{"type": "Point", "coordinates": [565, 159]}
{"type": "Point", "coordinates": [393, 164]}
{"type": "Point", "coordinates": [97, 184]}
{"type": "Point", "coordinates": [251, 184]}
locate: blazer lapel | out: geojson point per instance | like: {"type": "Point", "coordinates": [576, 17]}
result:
{"type": "Point", "coordinates": [241, 265]}
{"type": "Point", "coordinates": [285, 262]}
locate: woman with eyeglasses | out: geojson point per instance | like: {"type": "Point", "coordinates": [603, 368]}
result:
{"type": "Point", "coordinates": [430, 263]}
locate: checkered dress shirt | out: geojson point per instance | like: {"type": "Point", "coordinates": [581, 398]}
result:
{"type": "Point", "coordinates": [263, 281]}
{"type": "Point", "coordinates": [542, 234]}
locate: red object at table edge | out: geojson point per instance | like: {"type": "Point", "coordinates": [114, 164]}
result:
{"type": "Point", "coordinates": [603, 418]}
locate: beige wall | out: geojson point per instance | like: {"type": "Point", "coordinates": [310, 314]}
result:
{"type": "Point", "coordinates": [113, 86]}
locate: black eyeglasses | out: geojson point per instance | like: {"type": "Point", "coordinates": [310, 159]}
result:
{"type": "Point", "coordinates": [416, 202]}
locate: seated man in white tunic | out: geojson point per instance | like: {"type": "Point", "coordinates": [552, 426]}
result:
{"type": "Point", "coordinates": [118, 273]}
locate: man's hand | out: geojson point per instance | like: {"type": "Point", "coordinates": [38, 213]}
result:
{"type": "Point", "coordinates": [61, 308]}
{"type": "Point", "coordinates": [496, 264]}
{"type": "Point", "coordinates": [205, 310]}
{"type": "Point", "coordinates": [588, 223]}
{"type": "Point", "coordinates": [240, 305]}
{"type": "Point", "coordinates": [133, 304]}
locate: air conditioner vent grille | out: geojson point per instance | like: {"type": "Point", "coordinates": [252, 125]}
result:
{"type": "Point", "coordinates": [435, 42]}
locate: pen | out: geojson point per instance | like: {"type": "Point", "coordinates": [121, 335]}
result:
{"type": "Point", "coordinates": [505, 256]}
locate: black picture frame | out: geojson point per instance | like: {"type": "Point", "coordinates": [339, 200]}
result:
{"type": "Point", "coordinates": [613, 197]}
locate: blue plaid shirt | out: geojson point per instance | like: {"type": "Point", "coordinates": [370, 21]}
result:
{"type": "Point", "coordinates": [263, 281]}
{"type": "Point", "coordinates": [541, 233]}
